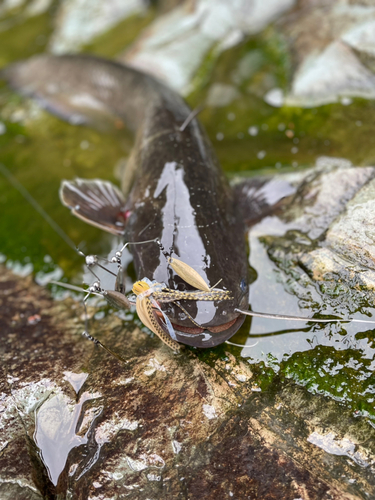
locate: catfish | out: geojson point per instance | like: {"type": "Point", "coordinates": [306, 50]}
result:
{"type": "Point", "coordinates": [173, 189]}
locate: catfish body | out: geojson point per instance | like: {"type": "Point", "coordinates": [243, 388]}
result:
{"type": "Point", "coordinates": [173, 187]}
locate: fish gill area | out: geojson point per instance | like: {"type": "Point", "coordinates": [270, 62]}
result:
{"type": "Point", "coordinates": [291, 413]}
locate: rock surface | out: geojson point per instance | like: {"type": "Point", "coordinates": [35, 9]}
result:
{"type": "Point", "coordinates": [79, 21]}
{"type": "Point", "coordinates": [77, 422]}
{"type": "Point", "coordinates": [329, 43]}
{"type": "Point", "coordinates": [291, 415]}
{"type": "Point", "coordinates": [327, 48]}
{"type": "Point", "coordinates": [176, 44]}
{"type": "Point", "coordinates": [33, 8]}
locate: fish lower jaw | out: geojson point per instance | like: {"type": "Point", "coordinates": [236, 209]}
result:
{"type": "Point", "coordinates": [208, 336]}
{"type": "Point", "coordinates": [210, 329]}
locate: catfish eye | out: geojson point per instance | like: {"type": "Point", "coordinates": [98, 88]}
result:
{"type": "Point", "coordinates": [243, 285]}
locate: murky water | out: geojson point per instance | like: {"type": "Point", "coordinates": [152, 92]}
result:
{"type": "Point", "coordinates": [249, 136]}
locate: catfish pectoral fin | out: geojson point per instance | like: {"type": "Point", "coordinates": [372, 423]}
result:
{"type": "Point", "coordinates": [261, 196]}
{"type": "Point", "coordinates": [97, 202]}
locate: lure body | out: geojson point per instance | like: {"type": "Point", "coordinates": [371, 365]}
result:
{"type": "Point", "coordinates": [167, 295]}
{"type": "Point", "coordinates": [145, 306]}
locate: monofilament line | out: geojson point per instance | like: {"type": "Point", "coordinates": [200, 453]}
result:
{"type": "Point", "coordinates": [306, 320]}
{"type": "Point", "coordinates": [21, 189]}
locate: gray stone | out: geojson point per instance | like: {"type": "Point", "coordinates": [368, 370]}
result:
{"type": "Point", "coordinates": [325, 77]}
{"type": "Point", "coordinates": [221, 94]}
{"type": "Point", "coordinates": [32, 8]}
{"type": "Point", "coordinates": [175, 45]}
{"type": "Point", "coordinates": [330, 46]}
{"type": "Point", "coordinates": [79, 21]}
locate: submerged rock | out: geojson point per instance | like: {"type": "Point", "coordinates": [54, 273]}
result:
{"type": "Point", "coordinates": [32, 8]}
{"type": "Point", "coordinates": [79, 21]}
{"type": "Point", "coordinates": [221, 94]}
{"type": "Point", "coordinates": [329, 44]}
{"type": "Point", "coordinates": [176, 44]}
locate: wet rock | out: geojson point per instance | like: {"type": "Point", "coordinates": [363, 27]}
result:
{"type": "Point", "coordinates": [74, 421]}
{"type": "Point", "coordinates": [176, 44]}
{"type": "Point", "coordinates": [221, 94]}
{"type": "Point", "coordinates": [29, 9]}
{"type": "Point", "coordinates": [330, 45]}
{"type": "Point", "coordinates": [79, 21]}
{"type": "Point", "coordinates": [324, 194]}
{"type": "Point", "coordinates": [315, 84]}
{"type": "Point", "coordinates": [362, 40]}
{"type": "Point", "coordinates": [322, 242]}
{"type": "Point", "coordinates": [274, 97]}
{"type": "Point", "coordinates": [339, 211]}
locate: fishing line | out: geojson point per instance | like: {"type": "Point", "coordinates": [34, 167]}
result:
{"type": "Point", "coordinates": [241, 345]}
{"type": "Point", "coordinates": [306, 320]}
{"type": "Point", "coordinates": [21, 189]}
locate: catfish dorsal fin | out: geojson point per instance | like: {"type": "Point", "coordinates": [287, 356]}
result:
{"type": "Point", "coordinates": [99, 203]}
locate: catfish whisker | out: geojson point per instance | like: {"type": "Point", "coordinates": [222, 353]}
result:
{"type": "Point", "coordinates": [191, 116]}
{"type": "Point", "coordinates": [24, 192]}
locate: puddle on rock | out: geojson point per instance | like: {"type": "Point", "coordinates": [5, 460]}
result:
{"type": "Point", "coordinates": [61, 426]}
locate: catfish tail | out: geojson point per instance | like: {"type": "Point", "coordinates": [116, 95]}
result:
{"type": "Point", "coordinates": [87, 90]}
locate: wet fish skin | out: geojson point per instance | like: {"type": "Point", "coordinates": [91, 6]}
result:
{"type": "Point", "coordinates": [174, 188]}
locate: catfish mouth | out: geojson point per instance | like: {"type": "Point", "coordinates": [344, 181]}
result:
{"type": "Point", "coordinates": [209, 336]}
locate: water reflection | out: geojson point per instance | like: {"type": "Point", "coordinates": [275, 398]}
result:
{"type": "Point", "coordinates": [335, 359]}
{"type": "Point", "coordinates": [57, 428]}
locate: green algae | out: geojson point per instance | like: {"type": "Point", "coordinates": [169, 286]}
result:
{"type": "Point", "coordinates": [285, 136]}
{"type": "Point", "coordinates": [347, 376]}
{"type": "Point", "coordinates": [40, 153]}
{"type": "Point", "coordinates": [118, 38]}
{"type": "Point", "coordinates": [24, 37]}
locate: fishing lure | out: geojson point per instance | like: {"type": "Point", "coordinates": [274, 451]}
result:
{"type": "Point", "coordinates": [145, 305]}
{"type": "Point", "coordinates": [148, 295]}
